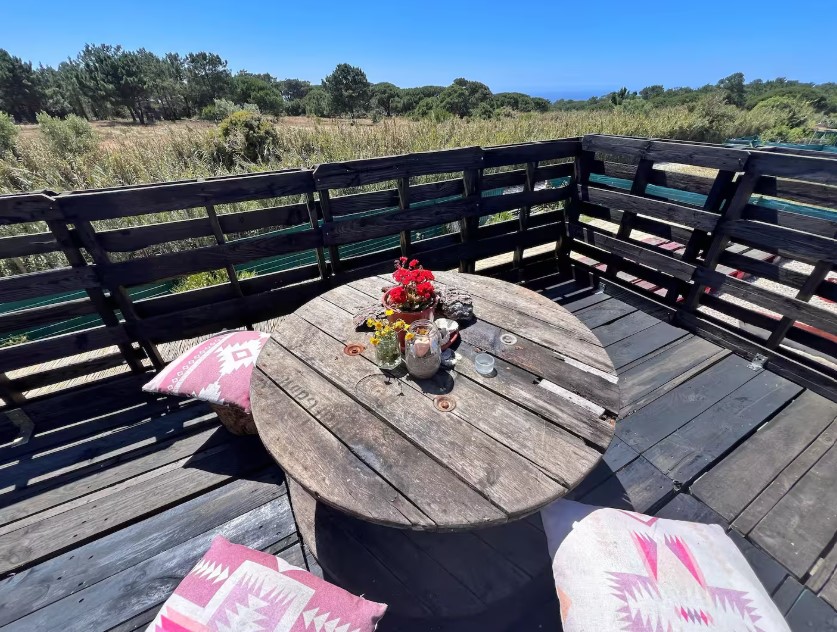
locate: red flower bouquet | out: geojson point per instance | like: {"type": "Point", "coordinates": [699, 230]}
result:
{"type": "Point", "coordinates": [414, 297]}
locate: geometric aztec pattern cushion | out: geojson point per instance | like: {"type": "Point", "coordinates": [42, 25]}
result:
{"type": "Point", "coordinates": [217, 370]}
{"type": "Point", "coordinates": [620, 570]}
{"type": "Point", "coordinates": [237, 589]}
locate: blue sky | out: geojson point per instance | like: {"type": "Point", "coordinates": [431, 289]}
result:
{"type": "Point", "coordinates": [551, 48]}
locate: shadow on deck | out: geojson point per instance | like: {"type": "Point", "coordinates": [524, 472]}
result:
{"type": "Point", "coordinates": [118, 493]}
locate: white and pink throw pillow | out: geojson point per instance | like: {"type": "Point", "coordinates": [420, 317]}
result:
{"type": "Point", "coordinates": [236, 589]}
{"type": "Point", "coordinates": [620, 570]}
{"type": "Point", "coordinates": [217, 370]}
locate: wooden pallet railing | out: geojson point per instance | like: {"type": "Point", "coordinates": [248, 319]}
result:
{"type": "Point", "coordinates": [686, 240]}
{"type": "Point", "coordinates": [332, 224]}
{"type": "Point", "coordinates": [677, 223]}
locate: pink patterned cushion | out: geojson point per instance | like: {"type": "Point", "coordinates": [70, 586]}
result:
{"type": "Point", "coordinates": [217, 370]}
{"type": "Point", "coordinates": [236, 589]}
{"type": "Point", "coordinates": [619, 570]}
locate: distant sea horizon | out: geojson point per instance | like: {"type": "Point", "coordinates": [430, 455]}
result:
{"type": "Point", "coordinates": [553, 94]}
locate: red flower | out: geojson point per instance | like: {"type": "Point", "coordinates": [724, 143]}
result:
{"type": "Point", "coordinates": [403, 260]}
{"type": "Point", "coordinates": [397, 295]}
{"type": "Point", "coordinates": [414, 263]}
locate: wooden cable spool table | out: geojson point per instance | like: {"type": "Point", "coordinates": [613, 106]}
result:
{"type": "Point", "coordinates": [423, 506]}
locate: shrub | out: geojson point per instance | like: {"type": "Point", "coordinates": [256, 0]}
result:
{"type": "Point", "coordinates": [222, 108]}
{"type": "Point", "coordinates": [72, 136]}
{"type": "Point", "coordinates": [788, 117]}
{"type": "Point", "coordinates": [8, 133]}
{"type": "Point", "coordinates": [206, 279]}
{"type": "Point", "coordinates": [247, 134]}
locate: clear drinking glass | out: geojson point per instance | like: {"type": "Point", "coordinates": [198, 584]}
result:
{"type": "Point", "coordinates": [388, 351]}
{"type": "Point", "coordinates": [423, 351]}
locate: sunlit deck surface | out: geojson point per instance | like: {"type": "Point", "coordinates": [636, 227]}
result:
{"type": "Point", "coordinates": [118, 493]}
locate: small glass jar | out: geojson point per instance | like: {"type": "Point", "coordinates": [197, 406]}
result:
{"type": "Point", "coordinates": [388, 351]}
{"type": "Point", "coordinates": [423, 350]}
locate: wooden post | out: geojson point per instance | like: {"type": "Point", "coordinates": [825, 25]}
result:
{"type": "Point", "coordinates": [523, 216]}
{"type": "Point", "coordinates": [468, 226]}
{"type": "Point", "coordinates": [9, 393]}
{"type": "Point", "coordinates": [325, 207]}
{"type": "Point", "coordinates": [403, 185]}
{"type": "Point", "coordinates": [640, 183]}
{"type": "Point", "coordinates": [314, 219]}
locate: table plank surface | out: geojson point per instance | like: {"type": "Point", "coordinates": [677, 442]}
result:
{"type": "Point", "coordinates": [373, 445]}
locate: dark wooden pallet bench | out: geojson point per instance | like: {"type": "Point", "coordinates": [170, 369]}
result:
{"type": "Point", "coordinates": [118, 493]}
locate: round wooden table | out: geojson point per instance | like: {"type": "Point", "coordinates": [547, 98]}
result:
{"type": "Point", "coordinates": [375, 447]}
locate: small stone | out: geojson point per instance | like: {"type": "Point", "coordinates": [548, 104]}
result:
{"type": "Point", "coordinates": [372, 311]}
{"type": "Point", "coordinates": [456, 304]}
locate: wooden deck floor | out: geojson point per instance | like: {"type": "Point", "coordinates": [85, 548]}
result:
{"type": "Point", "coordinates": [118, 493]}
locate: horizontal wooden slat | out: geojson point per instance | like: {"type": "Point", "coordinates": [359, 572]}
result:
{"type": "Point", "coordinates": [354, 173]}
{"type": "Point", "coordinates": [38, 351]}
{"type": "Point", "coordinates": [659, 177]}
{"type": "Point", "coordinates": [97, 205]}
{"type": "Point", "coordinates": [228, 314]}
{"type": "Point", "coordinates": [359, 202]}
{"type": "Point", "coordinates": [499, 203]}
{"type": "Point", "coordinates": [790, 243]}
{"type": "Point", "coordinates": [171, 265]}
{"type": "Point", "coordinates": [668, 211]}
{"type": "Point", "coordinates": [821, 170]}
{"type": "Point", "coordinates": [129, 239]}
{"type": "Point", "coordinates": [207, 295]}
{"type": "Point", "coordinates": [785, 305]}
{"type": "Point", "coordinates": [805, 192]}
{"type": "Point", "coordinates": [32, 244]}
{"type": "Point", "coordinates": [369, 227]}
{"type": "Point", "coordinates": [24, 286]}
{"type": "Point", "coordinates": [530, 152]}
{"type": "Point", "coordinates": [72, 371]}
{"type": "Point", "coordinates": [675, 267]}
{"type": "Point", "coordinates": [31, 318]}
{"type": "Point", "coordinates": [645, 224]}
{"type": "Point", "coordinates": [663, 151]}
{"type": "Point", "coordinates": [27, 207]}
{"type": "Point", "coordinates": [795, 221]}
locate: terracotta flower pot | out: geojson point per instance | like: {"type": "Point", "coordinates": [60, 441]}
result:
{"type": "Point", "coordinates": [408, 317]}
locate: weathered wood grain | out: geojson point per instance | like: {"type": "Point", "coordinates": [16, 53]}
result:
{"type": "Point", "coordinates": [667, 211]}
{"type": "Point", "coordinates": [757, 462]}
{"type": "Point", "coordinates": [428, 485]}
{"type": "Point", "coordinates": [651, 424]}
{"type": "Point", "coordinates": [788, 533]}
{"type": "Point", "coordinates": [123, 202]}
{"type": "Point", "coordinates": [511, 482]}
{"type": "Point", "coordinates": [688, 451]}
{"type": "Point", "coordinates": [665, 151]}
{"type": "Point", "coordinates": [60, 577]}
{"type": "Point", "coordinates": [31, 244]}
{"type": "Point", "coordinates": [354, 173]}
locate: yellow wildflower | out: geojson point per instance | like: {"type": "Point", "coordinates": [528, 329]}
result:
{"type": "Point", "coordinates": [389, 312]}
{"type": "Point", "coordinates": [374, 340]}
{"type": "Point", "coordinates": [409, 335]}
{"type": "Point", "coordinates": [370, 322]}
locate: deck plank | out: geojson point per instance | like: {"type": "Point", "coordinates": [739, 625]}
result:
{"type": "Point", "coordinates": [138, 588]}
{"type": "Point", "coordinates": [603, 312]}
{"type": "Point", "coordinates": [758, 461]}
{"type": "Point", "coordinates": [642, 343]}
{"type": "Point", "coordinates": [654, 422]}
{"type": "Point", "coordinates": [59, 532]}
{"type": "Point", "coordinates": [62, 575]}
{"type": "Point", "coordinates": [803, 523]}
{"type": "Point", "coordinates": [639, 486]}
{"type": "Point", "coordinates": [624, 327]}
{"type": "Point", "coordinates": [688, 451]}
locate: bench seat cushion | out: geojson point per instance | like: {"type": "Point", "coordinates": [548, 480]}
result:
{"type": "Point", "coordinates": [217, 370]}
{"type": "Point", "coordinates": [620, 570]}
{"type": "Point", "coordinates": [236, 588]}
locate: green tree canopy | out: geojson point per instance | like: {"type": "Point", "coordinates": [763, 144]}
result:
{"type": "Point", "coordinates": [348, 90]}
